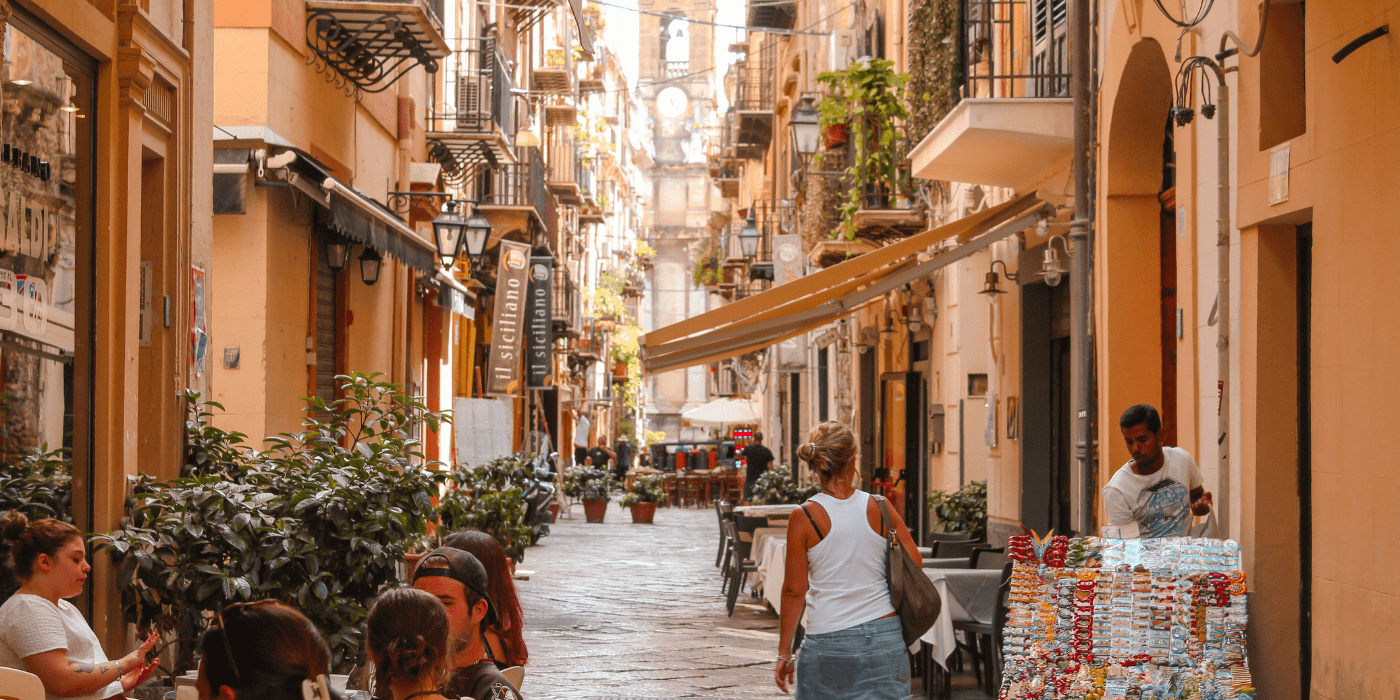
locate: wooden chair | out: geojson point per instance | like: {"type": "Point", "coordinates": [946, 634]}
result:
{"type": "Point", "coordinates": [691, 487]}
{"type": "Point", "coordinates": [671, 485]}
{"type": "Point", "coordinates": [736, 486]}
{"type": "Point", "coordinates": [20, 685]}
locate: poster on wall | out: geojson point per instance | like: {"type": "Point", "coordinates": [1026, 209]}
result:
{"type": "Point", "coordinates": [199, 334]}
{"type": "Point", "coordinates": [508, 321]}
{"type": "Point", "coordinates": [539, 324]}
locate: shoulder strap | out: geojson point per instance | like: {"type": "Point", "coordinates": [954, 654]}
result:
{"type": "Point", "coordinates": [884, 517]}
{"type": "Point", "coordinates": [818, 530]}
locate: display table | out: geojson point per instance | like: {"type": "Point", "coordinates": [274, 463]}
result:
{"type": "Point", "coordinates": [969, 595]}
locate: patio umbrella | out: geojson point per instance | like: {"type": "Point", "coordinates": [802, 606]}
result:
{"type": "Point", "coordinates": [724, 412]}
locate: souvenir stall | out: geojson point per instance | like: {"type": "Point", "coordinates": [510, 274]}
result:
{"type": "Point", "coordinates": [1102, 619]}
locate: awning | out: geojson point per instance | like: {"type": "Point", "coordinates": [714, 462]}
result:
{"type": "Point", "coordinates": [788, 310]}
{"type": "Point", "coordinates": [724, 412]}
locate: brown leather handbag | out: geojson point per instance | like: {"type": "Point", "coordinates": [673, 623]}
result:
{"type": "Point", "coordinates": [913, 594]}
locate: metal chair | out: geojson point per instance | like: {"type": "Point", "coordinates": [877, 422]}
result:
{"type": "Point", "coordinates": [723, 539]}
{"type": "Point", "coordinates": [949, 550]}
{"type": "Point", "coordinates": [983, 642]}
{"type": "Point", "coordinates": [990, 558]}
{"type": "Point", "coordinates": [740, 564]}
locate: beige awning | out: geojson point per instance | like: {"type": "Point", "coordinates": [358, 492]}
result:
{"type": "Point", "coordinates": [790, 309]}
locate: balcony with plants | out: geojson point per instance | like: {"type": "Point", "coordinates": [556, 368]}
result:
{"type": "Point", "coordinates": [990, 76]}
{"type": "Point", "coordinates": [477, 129]}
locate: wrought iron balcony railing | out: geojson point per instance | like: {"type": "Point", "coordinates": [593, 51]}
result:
{"type": "Point", "coordinates": [480, 124]}
{"type": "Point", "coordinates": [563, 165]}
{"type": "Point", "coordinates": [515, 185]}
{"type": "Point", "coordinates": [1000, 61]}
{"type": "Point", "coordinates": [368, 46]}
{"type": "Point", "coordinates": [566, 302]}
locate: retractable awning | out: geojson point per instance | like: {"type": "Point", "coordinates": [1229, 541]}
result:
{"type": "Point", "coordinates": [790, 309]}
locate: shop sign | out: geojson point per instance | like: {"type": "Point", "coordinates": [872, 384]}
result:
{"type": "Point", "coordinates": [539, 331]}
{"type": "Point", "coordinates": [508, 321]}
{"type": "Point", "coordinates": [787, 267]}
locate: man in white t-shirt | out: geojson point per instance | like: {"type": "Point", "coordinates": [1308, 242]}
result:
{"type": "Point", "coordinates": [1160, 488]}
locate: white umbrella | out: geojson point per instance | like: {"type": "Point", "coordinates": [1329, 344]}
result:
{"type": "Point", "coordinates": [724, 412]}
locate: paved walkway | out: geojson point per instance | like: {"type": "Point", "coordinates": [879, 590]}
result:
{"type": "Point", "coordinates": [634, 611]}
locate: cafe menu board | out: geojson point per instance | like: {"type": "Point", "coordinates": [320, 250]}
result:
{"type": "Point", "coordinates": [1103, 619]}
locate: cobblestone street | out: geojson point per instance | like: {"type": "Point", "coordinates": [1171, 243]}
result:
{"type": "Point", "coordinates": [634, 611]}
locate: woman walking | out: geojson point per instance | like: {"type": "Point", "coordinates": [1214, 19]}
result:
{"type": "Point", "coordinates": [836, 567]}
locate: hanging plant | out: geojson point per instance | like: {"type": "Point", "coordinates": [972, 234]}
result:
{"type": "Point", "coordinates": [868, 98]}
{"type": "Point", "coordinates": [707, 267]}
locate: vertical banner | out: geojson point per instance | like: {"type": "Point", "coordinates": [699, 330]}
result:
{"type": "Point", "coordinates": [539, 325]}
{"type": "Point", "coordinates": [508, 320]}
{"type": "Point", "coordinates": [788, 267]}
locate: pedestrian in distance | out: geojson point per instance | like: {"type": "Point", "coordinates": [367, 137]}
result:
{"type": "Point", "coordinates": [600, 454]}
{"type": "Point", "coordinates": [410, 643]}
{"type": "Point", "coordinates": [505, 642]}
{"type": "Point", "coordinates": [1156, 492]}
{"type": "Point", "coordinates": [757, 458]}
{"type": "Point", "coordinates": [42, 633]}
{"type": "Point", "coordinates": [460, 582]}
{"type": "Point", "coordinates": [263, 651]}
{"type": "Point", "coordinates": [623, 451]}
{"type": "Point", "coordinates": [836, 568]}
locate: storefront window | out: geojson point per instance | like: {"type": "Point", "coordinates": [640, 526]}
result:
{"type": "Point", "coordinates": [45, 239]}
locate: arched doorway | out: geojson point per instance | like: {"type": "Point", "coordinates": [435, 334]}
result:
{"type": "Point", "coordinates": [1136, 251]}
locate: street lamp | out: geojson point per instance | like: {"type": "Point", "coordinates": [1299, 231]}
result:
{"type": "Point", "coordinates": [748, 237]}
{"type": "Point", "coordinates": [447, 233]}
{"type": "Point", "coordinates": [993, 286]}
{"type": "Point", "coordinates": [805, 127]}
{"type": "Point", "coordinates": [337, 255]}
{"type": "Point", "coordinates": [369, 266]}
{"type": "Point", "coordinates": [1051, 268]}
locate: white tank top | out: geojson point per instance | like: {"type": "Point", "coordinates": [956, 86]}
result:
{"type": "Point", "coordinates": [846, 570]}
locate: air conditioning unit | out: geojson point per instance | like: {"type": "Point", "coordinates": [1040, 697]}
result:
{"type": "Point", "coordinates": [726, 379]}
{"type": "Point", "coordinates": [843, 49]}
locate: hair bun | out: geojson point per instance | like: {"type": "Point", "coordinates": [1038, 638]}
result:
{"type": "Point", "coordinates": [807, 452]}
{"type": "Point", "coordinates": [13, 525]}
{"type": "Point", "coordinates": [406, 656]}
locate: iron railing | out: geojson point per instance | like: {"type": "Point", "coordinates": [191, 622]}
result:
{"type": "Point", "coordinates": [563, 157]}
{"type": "Point", "coordinates": [773, 217]}
{"type": "Point", "coordinates": [753, 92]}
{"type": "Point", "coordinates": [566, 301]}
{"type": "Point", "coordinates": [483, 102]}
{"type": "Point", "coordinates": [996, 60]}
{"type": "Point", "coordinates": [515, 184]}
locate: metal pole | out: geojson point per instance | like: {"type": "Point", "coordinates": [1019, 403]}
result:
{"type": "Point", "coordinates": [1222, 322]}
{"type": "Point", "coordinates": [1081, 341]}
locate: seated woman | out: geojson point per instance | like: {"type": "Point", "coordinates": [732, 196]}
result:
{"type": "Point", "coordinates": [44, 634]}
{"type": "Point", "coordinates": [504, 640]}
{"type": "Point", "coordinates": [409, 641]}
{"type": "Point", "coordinates": [262, 651]}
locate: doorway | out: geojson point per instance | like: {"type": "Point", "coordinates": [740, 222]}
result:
{"type": "Point", "coordinates": [1046, 450]}
{"type": "Point", "coordinates": [903, 417]}
{"type": "Point", "coordinates": [868, 450]}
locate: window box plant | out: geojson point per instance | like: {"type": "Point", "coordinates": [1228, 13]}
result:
{"type": "Point", "coordinates": [592, 486]}
{"type": "Point", "coordinates": [646, 492]}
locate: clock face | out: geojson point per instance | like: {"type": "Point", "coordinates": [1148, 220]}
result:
{"type": "Point", "coordinates": [671, 102]}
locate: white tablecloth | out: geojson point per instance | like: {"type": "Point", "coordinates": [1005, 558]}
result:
{"type": "Point", "coordinates": [973, 590]}
{"type": "Point", "coordinates": [772, 567]}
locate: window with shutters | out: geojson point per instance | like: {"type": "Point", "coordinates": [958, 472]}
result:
{"type": "Point", "coordinates": [327, 327]}
{"type": "Point", "coordinates": [1050, 47]}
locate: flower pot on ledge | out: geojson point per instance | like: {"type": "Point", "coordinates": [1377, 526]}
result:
{"type": "Point", "coordinates": [594, 510]}
{"type": "Point", "coordinates": [643, 513]}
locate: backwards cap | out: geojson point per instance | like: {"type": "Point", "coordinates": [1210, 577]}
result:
{"type": "Point", "coordinates": [463, 568]}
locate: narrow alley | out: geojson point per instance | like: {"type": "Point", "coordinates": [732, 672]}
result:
{"type": "Point", "coordinates": [634, 611]}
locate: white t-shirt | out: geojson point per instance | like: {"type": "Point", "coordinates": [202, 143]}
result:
{"type": "Point", "coordinates": [32, 625]}
{"type": "Point", "coordinates": [1160, 503]}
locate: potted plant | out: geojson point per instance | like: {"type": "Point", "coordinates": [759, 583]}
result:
{"type": "Point", "coordinates": [489, 498]}
{"type": "Point", "coordinates": [646, 492]}
{"type": "Point", "coordinates": [963, 510]}
{"type": "Point", "coordinates": [594, 487]}
{"type": "Point", "coordinates": [777, 486]}
{"type": "Point", "coordinates": [866, 99]}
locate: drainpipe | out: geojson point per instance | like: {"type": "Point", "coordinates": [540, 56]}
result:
{"type": "Point", "coordinates": [1222, 321]}
{"type": "Point", "coordinates": [1081, 340]}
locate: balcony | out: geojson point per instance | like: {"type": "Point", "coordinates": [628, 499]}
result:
{"type": "Point", "coordinates": [367, 46]}
{"type": "Point", "coordinates": [512, 194]}
{"type": "Point", "coordinates": [771, 14]}
{"type": "Point", "coordinates": [753, 103]}
{"type": "Point", "coordinates": [479, 127]}
{"type": "Point", "coordinates": [566, 304]}
{"type": "Point", "coordinates": [555, 76]}
{"type": "Point", "coordinates": [564, 166]}
{"type": "Point", "coordinates": [673, 70]}
{"type": "Point", "coordinates": [1016, 99]}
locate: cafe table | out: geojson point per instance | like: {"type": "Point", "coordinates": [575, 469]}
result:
{"type": "Point", "coordinates": [969, 595]}
{"type": "Point", "coordinates": [766, 511]}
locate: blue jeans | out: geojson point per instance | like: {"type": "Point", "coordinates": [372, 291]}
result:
{"type": "Point", "coordinates": [866, 661]}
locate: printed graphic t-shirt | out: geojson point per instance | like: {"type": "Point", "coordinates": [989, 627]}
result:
{"type": "Point", "coordinates": [1160, 502]}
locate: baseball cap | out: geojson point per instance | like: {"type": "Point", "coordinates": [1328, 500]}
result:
{"type": "Point", "coordinates": [463, 568]}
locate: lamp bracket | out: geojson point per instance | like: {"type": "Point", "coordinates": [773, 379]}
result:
{"type": "Point", "coordinates": [404, 202]}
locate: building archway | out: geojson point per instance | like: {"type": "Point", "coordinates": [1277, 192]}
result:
{"type": "Point", "coordinates": [1129, 248]}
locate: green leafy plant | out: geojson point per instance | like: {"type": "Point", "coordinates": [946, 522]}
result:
{"type": "Point", "coordinates": [646, 489]}
{"type": "Point", "coordinates": [963, 510]}
{"type": "Point", "coordinates": [778, 486]}
{"type": "Point", "coordinates": [321, 518]}
{"type": "Point", "coordinates": [935, 63]}
{"type": "Point", "coordinates": [589, 484]}
{"type": "Point", "coordinates": [38, 483]}
{"type": "Point", "coordinates": [490, 498]}
{"type": "Point", "coordinates": [867, 97]}
{"type": "Point", "coordinates": [653, 437]}
{"type": "Point", "coordinates": [706, 272]}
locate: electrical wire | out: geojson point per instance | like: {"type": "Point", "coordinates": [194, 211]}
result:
{"type": "Point", "coordinates": [1201, 13]}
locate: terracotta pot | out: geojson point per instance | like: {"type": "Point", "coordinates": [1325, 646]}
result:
{"type": "Point", "coordinates": [554, 512]}
{"type": "Point", "coordinates": [594, 510]}
{"type": "Point", "coordinates": [643, 512]}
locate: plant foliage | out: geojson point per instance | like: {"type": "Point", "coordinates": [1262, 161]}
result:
{"type": "Point", "coordinates": [778, 486]}
{"type": "Point", "coordinates": [963, 510]}
{"type": "Point", "coordinates": [490, 498]}
{"type": "Point", "coordinates": [646, 489]}
{"type": "Point", "coordinates": [320, 519]}
{"type": "Point", "coordinates": [868, 97]}
{"type": "Point", "coordinates": [38, 483]}
{"type": "Point", "coordinates": [589, 484]}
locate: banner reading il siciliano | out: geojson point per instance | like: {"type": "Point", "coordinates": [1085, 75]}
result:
{"type": "Point", "coordinates": [508, 321]}
{"type": "Point", "coordinates": [539, 331]}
